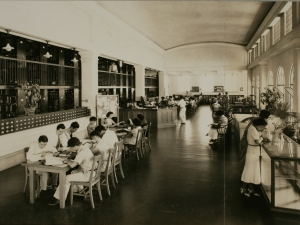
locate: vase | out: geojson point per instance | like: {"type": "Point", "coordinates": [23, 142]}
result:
{"type": "Point", "coordinates": [29, 111]}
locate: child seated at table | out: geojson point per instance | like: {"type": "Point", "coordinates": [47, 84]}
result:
{"type": "Point", "coordinates": [108, 122]}
{"type": "Point", "coordinates": [92, 125]}
{"type": "Point", "coordinates": [37, 152]}
{"type": "Point", "coordinates": [222, 121]}
{"type": "Point", "coordinates": [130, 138]}
{"type": "Point", "coordinates": [62, 140]}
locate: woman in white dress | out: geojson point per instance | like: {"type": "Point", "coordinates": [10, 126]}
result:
{"type": "Point", "coordinates": [251, 174]}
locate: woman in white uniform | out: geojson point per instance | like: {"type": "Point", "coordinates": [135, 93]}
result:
{"type": "Point", "coordinates": [251, 174]}
{"type": "Point", "coordinates": [182, 111]}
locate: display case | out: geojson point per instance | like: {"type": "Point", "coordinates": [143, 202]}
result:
{"type": "Point", "coordinates": [280, 174]}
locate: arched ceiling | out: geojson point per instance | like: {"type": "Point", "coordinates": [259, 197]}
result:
{"type": "Point", "coordinates": [170, 24]}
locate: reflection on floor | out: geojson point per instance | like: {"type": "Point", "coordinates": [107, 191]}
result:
{"type": "Point", "coordinates": [182, 181]}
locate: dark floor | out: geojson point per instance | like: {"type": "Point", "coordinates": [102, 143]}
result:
{"type": "Point", "coordinates": [182, 181]}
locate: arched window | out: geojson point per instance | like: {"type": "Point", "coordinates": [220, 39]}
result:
{"type": "Point", "coordinates": [270, 80]}
{"type": "Point", "coordinates": [292, 76]}
{"type": "Point", "coordinates": [281, 81]}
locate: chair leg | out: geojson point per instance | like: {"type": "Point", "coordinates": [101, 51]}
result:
{"type": "Point", "coordinates": [121, 169]}
{"type": "Point", "coordinates": [137, 153]}
{"type": "Point", "coordinates": [99, 190]}
{"type": "Point", "coordinates": [91, 196]}
{"type": "Point", "coordinates": [149, 145]}
{"type": "Point", "coordinates": [107, 184]}
{"type": "Point", "coordinates": [38, 187]}
{"type": "Point", "coordinates": [113, 179]}
{"type": "Point", "coordinates": [71, 194]}
{"type": "Point", "coordinates": [26, 182]}
{"type": "Point", "coordinates": [115, 174]}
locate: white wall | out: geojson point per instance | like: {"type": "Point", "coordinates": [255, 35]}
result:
{"type": "Point", "coordinates": [207, 65]}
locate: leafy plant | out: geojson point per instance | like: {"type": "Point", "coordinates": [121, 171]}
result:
{"type": "Point", "coordinates": [272, 100]}
{"type": "Point", "coordinates": [32, 94]}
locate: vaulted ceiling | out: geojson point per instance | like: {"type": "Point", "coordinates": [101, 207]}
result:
{"type": "Point", "coordinates": [170, 24]}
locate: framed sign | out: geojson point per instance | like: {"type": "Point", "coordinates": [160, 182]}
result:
{"type": "Point", "coordinates": [218, 88]}
{"type": "Point", "coordinates": [195, 89]}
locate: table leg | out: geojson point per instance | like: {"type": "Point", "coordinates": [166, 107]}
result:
{"type": "Point", "coordinates": [62, 186]}
{"type": "Point", "coordinates": [31, 184]}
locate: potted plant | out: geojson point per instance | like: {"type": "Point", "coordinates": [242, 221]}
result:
{"type": "Point", "coordinates": [32, 97]}
{"type": "Point", "coordinates": [291, 125]}
{"type": "Point", "coordinates": [271, 100]}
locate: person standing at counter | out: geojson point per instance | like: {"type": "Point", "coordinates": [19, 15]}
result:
{"type": "Point", "coordinates": [251, 173]}
{"type": "Point", "coordinates": [244, 143]}
{"type": "Point", "coordinates": [182, 105]}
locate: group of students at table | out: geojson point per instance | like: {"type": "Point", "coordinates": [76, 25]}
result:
{"type": "Point", "coordinates": [101, 140]}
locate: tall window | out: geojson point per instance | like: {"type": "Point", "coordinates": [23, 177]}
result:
{"type": "Point", "coordinates": [270, 80]}
{"type": "Point", "coordinates": [258, 48]}
{"type": "Point", "coordinates": [268, 40]}
{"type": "Point", "coordinates": [291, 85]}
{"type": "Point", "coordinates": [253, 88]}
{"type": "Point", "coordinates": [277, 32]}
{"type": "Point", "coordinates": [288, 20]}
{"type": "Point", "coordinates": [281, 81]}
{"type": "Point", "coordinates": [257, 87]}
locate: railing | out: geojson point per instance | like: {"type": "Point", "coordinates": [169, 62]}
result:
{"type": "Point", "coordinates": [16, 71]}
{"type": "Point", "coordinates": [115, 79]}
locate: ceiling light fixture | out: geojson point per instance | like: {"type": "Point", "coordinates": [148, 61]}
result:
{"type": "Point", "coordinates": [47, 55]}
{"type": "Point", "coordinates": [74, 60]}
{"type": "Point", "coordinates": [8, 47]}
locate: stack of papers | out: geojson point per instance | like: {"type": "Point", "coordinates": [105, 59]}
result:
{"type": "Point", "coordinates": [51, 160]}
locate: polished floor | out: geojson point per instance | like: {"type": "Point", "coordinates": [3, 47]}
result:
{"type": "Point", "coordinates": [182, 181]}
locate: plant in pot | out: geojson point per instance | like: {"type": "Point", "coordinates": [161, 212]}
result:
{"type": "Point", "coordinates": [291, 125]}
{"type": "Point", "coordinates": [32, 97]}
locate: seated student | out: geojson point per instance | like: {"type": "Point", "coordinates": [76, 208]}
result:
{"type": "Point", "coordinates": [72, 129]}
{"type": "Point", "coordinates": [130, 138]}
{"type": "Point", "coordinates": [108, 122]}
{"type": "Point", "coordinates": [144, 122]}
{"type": "Point", "coordinates": [62, 140]}
{"type": "Point", "coordinates": [222, 121]}
{"type": "Point", "coordinates": [36, 152]}
{"type": "Point", "coordinates": [99, 146]}
{"type": "Point", "coordinates": [84, 159]}
{"type": "Point", "coordinates": [91, 125]}
{"type": "Point", "coordinates": [107, 135]}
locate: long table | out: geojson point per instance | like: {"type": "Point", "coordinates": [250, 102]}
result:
{"type": "Point", "coordinates": [52, 169]}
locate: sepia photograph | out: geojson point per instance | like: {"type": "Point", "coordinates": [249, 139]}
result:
{"type": "Point", "coordinates": [143, 112]}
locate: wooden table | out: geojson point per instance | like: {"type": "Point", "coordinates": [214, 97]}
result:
{"type": "Point", "coordinates": [52, 169]}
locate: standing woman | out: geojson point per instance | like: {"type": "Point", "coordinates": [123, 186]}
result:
{"type": "Point", "coordinates": [251, 173]}
{"type": "Point", "coordinates": [244, 142]}
{"type": "Point", "coordinates": [182, 111]}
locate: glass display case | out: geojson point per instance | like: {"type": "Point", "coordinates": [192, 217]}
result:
{"type": "Point", "coordinates": [280, 174]}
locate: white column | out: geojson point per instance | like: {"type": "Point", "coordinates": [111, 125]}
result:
{"type": "Point", "coordinates": [263, 77]}
{"type": "Point", "coordinates": [89, 80]}
{"type": "Point", "coordinates": [249, 82]}
{"type": "Point", "coordinates": [139, 82]}
{"type": "Point", "coordinates": [162, 85]}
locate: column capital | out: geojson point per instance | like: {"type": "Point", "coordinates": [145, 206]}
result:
{"type": "Point", "coordinates": [88, 55]}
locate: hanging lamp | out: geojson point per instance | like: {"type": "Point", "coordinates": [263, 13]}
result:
{"type": "Point", "coordinates": [8, 47]}
{"type": "Point", "coordinates": [47, 55]}
{"type": "Point", "coordinates": [74, 60]}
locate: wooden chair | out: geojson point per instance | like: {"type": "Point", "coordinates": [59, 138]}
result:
{"type": "Point", "coordinates": [119, 147]}
{"type": "Point", "coordinates": [37, 177]}
{"type": "Point", "coordinates": [109, 171]}
{"type": "Point", "coordinates": [94, 179]}
{"type": "Point", "coordinates": [146, 138]}
{"type": "Point", "coordinates": [138, 147]}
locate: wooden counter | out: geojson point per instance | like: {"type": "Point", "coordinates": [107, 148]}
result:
{"type": "Point", "coordinates": [160, 118]}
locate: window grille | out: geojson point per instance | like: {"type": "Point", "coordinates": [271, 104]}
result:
{"type": "Point", "coordinates": [288, 21]}
{"type": "Point", "coordinates": [268, 40]}
{"type": "Point", "coordinates": [277, 32]}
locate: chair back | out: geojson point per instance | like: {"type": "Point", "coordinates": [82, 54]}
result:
{"type": "Point", "coordinates": [119, 146]}
{"type": "Point", "coordinates": [110, 160]}
{"type": "Point", "coordinates": [222, 130]}
{"type": "Point", "coordinates": [96, 168]}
